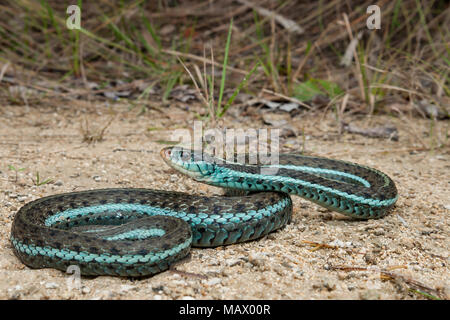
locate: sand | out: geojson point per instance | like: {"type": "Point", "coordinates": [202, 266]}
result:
{"type": "Point", "coordinates": [320, 255]}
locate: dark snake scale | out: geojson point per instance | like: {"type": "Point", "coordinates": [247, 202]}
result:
{"type": "Point", "coordinates": [140, 232]}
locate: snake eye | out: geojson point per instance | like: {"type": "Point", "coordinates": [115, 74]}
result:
{"type": "Point", "coordinates": [185, 156]}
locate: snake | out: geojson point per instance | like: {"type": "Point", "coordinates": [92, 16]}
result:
{"type": "Point", "coordinates": [135, 232]}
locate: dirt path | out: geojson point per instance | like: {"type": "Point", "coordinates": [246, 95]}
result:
{"type": "Point", "coordinates": [412, 242]}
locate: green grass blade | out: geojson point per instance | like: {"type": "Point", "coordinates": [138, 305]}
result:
{"type": "Point", "coordinates": [152, 32]}
{"type": "Point", "coordinates": [224, 69]}
{"type": "Point", "coordinates": [236, 91]}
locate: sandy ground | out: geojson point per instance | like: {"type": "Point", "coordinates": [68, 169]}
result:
{"type": "Point", "coordinates": [412, 242]}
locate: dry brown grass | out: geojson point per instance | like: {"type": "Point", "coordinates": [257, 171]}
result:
{"type": "Point", "coordinates": [403, 63]}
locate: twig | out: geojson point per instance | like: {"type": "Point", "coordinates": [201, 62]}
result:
{"type": "Point", "coordinates": [195, 83]}
{"type": "Point", "coordinates": [358, 65]}
{"type": "Point", "coordinates": [287, 98]}
{"type": "Point", "coordinates": [188, 274]}
{"type": "Point", "coordinates": [304, 60]}
{"type": "Point", "coordinates": [414, 284]}
{"type": "Point", "coordinates": [388, 132]}
{"type": "Point", "coordinates": [318, 245]}
{"type": "Point", "coordinates": [386, 274]}
{"type": "Point", "coordinates": [3, 71]}
{"type": "Point", "coordinates": [288, 24]}
{"type": "Point", "coordinates": [133, 150]}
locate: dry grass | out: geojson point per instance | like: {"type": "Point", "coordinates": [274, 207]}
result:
{"type": "Point", "coordinates": [403, 63]}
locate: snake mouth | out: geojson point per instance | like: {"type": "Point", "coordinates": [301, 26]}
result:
{"type": "Point", "coordinates": [165, 153]}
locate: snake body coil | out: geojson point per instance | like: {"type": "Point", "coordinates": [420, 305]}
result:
{"type": "Point", "coordinates": [139, 232]}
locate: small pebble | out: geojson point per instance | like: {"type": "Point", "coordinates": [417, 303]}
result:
{"type": "Point", "coordinates": [85, 290]}
{"type": "Point", "coordinates": [341, 244]}
{"type": "Point", "coordinates": [402, 221]}
{"type": "Point", "coordinates": [213, 281]}
{"type": "Point", "coordinates": [379, 232]}
{"type": "Point", "coordinates": [22, 198]}
{"type": "Point", "coordinates": [232, 262]}
{"type": "Point", "coordinates": [126, 287]}
{"type": "Point", "coordinates": [15, 292]}
{"type": "Point", "coordinates": [51, 285]}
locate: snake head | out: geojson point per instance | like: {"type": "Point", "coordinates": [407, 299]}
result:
{"type": "Point", "coordinates": [195, 164]}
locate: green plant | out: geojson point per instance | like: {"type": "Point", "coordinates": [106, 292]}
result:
{"type": "Point", "coordinates": [16, 170]}
{"type": "Point", "coordinates": [217, 110]}
{"type": "Point", "coordinates": [267, 60]}
{"type": "Point", "coordinates": [307, 90]}
{"type": "Point", "coordinates": [224, 68]}
{"type": "Point", "coordinates": [38, 182]}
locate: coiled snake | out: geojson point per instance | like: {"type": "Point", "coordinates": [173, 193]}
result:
{"type": "Point", "coordinates": [140, 232]}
